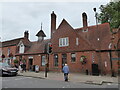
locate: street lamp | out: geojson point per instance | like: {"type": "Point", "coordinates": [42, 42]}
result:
{"type": "Point", "coordinates": [98, 39]}
{"type": "Point", "coordinates": [95, 15]}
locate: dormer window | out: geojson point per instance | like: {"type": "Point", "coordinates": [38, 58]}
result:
{"type": "Point", "coordinates": [21, 47]}
{"type": "Point", "coordinates": [77, 41]}
{"type": "Point", "coordinates": [63, 42]}
{"type": "Point", "coordinates": [85, 30]}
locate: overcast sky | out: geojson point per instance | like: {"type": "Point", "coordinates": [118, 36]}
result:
{"type": "Point", "coordinates": [18, 17]}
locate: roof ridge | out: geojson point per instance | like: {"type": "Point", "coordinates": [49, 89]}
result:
{"type": "Point", "coordinates": [13, 39]}
{"type": "Point", "coordinates": [92, 26]}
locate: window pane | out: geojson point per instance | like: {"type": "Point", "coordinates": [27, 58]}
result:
{"type": "Point", "coordinates": [73, 57]}
{"type": "Point", "coordinates": [56, 60]}
{"type": "Point", "coordinates": [63, 42]}
{"type": "Point", "coordinates": [43, 60]}
{"type": "Point", "coordinates": [77, 41]}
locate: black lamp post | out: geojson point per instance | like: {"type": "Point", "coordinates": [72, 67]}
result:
{"type": "Point", "coordinates": [95, 15]}
{"type": "Point", "coordinates": [98, 39]}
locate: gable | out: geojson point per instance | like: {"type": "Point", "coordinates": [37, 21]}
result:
{"type": "Point", "coordinates": [13, 42]}
{"type": "Point", "coordinates": [65, 31]}
{"type": "Point", "coordinates": [20, 43]}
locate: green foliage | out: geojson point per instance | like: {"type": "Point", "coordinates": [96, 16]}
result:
{"type": "Point", "coordinates": [110, 13]}
{"type": "Point", "coordinates": [15, 61]}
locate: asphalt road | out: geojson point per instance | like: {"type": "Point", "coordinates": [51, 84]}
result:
{"type": "Point", "coordinates": [29, 82]}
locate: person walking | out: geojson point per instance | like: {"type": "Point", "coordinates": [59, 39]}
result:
{"type": "Point", "coordinates": [21, 67]}
{"type": "Point", "coordinates": [24, 67]}
{"type": "Point", "coordinates": [66, 72]}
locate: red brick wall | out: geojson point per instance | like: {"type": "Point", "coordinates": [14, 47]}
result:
{"type": "Point", "coordinates": [12, 50]}
{"type": "Point", "coordinates": [78, 67]}
{"type": "Point", "coordinates": [74, 66]}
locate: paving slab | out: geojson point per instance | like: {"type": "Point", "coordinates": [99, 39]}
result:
{"type": "Point", "coordinates": [73, 77]}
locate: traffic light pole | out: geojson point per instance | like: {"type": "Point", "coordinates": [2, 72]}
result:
{"type": "Point", "coordinates": [49, 51]}
{"type": "Point", "coordinates": [46, 65]}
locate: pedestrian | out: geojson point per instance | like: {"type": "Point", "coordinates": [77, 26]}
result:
{"type": "Point", "coordinates": [21, 66]}
{"type": "Point", "coordinates": [66, 72]}
{"type": "Point", "coordinates": [24, 67]}
{"type": "Point", "coordinates": [16, 66]}
{"type": "Point", "coordinates": [20, 69]}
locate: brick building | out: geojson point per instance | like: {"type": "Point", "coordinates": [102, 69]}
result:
{"type": "Point", "coordinates": [36, 54]}
{"type": "Point", "coordinates": [9, 48]}
{"type": "Point", "coordinates": [89, 48]}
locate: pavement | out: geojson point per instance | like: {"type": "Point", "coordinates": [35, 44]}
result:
{"type": "Point", "coordinates": [73, 77]}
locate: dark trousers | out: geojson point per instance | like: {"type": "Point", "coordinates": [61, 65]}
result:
{"type": "Point", "coordinates": [66, 76]}
{"type": "Point", "coordinates": [24, 69]}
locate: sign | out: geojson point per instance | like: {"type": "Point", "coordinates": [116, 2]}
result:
{"type": "Point", "coordinates": [115, 58]}
{"type": "Point", "coordinates": [14, 58]}
{"type": "Point", "coordinates": [30, 57]}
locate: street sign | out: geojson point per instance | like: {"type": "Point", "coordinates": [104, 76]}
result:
{"type": "Point", "coordinates": [115, 58]}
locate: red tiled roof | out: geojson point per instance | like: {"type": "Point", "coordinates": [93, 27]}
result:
{"type": "Point", "coordinates": [41, 33]}
{"type": "Point", "coordinates": [11, 42]}
{"type": "Point", "coordinates": [37, 47]}
{"type": "Point", "coordinates": [26, 42]}
{"type": "Point", "coordinates": [102, 32]}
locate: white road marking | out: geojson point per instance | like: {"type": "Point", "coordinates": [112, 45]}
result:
{"type": "Point", "coordinates": [4, 80]}
{"type": "Point", "coordinates": [22, 78]}
{"type": "Point", "coordinates": [17, 79]}
{"type": "Point", "coordinates": [109, 84]}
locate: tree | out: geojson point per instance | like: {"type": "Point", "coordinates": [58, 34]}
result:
{"type": "Point", "coordinates": [16, 61]}
{"type": "Point", "coordinates": [110, 13]}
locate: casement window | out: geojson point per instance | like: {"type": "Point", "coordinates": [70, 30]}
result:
{"type": "Point", "coordinates": [63, 42]}
{"type": "Point", "coordinates": [55, 59]}
{"type": "Point", "coordinates": [73, 57]}
{"type": "Point", "coordinates": [43, 60]}
{"type": "Point", "coordinates": [85, 30]}
{"type": "Point", "coordinates": [77, 42]}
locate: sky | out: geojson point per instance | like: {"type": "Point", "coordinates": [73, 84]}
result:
{"type": "Point", "coordinates": [17, 17]}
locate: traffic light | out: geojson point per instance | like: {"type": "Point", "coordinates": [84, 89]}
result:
{"type": "Point", "coordinates": [49, 48]}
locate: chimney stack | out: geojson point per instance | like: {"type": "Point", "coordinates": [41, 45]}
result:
{"type": "Point", "coordinates": [26, 34]}
{"type": "Point", "coordinates": [84, 16]}
{"type": "Point", "coordinates": [53, 23]}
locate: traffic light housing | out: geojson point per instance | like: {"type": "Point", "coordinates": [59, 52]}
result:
{"type": "Point", "coordinates": [49, 48]}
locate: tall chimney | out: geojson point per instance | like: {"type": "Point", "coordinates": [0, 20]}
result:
{"type": "Point", "coordinates": [84, 16]}
{"type": "Point", "coordinates": [26, 34]}
{"type": "Point", "coordinates": [53, 23]}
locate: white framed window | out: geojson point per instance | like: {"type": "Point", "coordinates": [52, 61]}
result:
{"type": "Point", "coordinates": [77, 42]}
{"type": "Point", "coordinates": [73, 57]}
{"type": "Point", "coordinates": [85, 30]}
{"type": "Point", "coordinates": [43, 60]}
{"type": "Point", "coordinates": [63, 42]}
{"type": "Point", "coordinates": [55, 59]}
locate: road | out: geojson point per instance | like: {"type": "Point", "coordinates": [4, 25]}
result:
{"type": "Point", "coordinates": [29, 82]}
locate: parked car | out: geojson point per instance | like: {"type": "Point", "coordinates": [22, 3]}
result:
{"type": "Point", "coordinates": [6, 69]}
